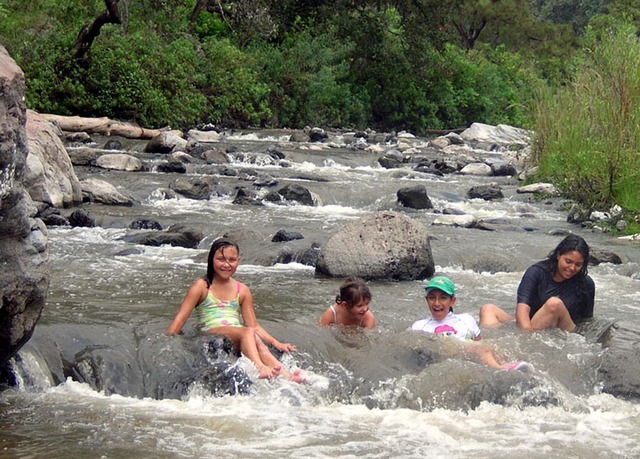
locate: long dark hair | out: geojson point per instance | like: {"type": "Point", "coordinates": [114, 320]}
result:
{"type": "Point", "coordinates": [569, 244]}
{"type": "Point", "coordinates": [220, 243]}
{"type": "Point", "coordinates": [353, 291]}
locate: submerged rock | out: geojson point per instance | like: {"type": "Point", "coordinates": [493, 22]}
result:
{"type": "Point", "coordinates": [620, 368]}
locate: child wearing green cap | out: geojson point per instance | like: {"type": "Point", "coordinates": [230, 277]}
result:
{"type": "Point", "coordinates": [441, 297]}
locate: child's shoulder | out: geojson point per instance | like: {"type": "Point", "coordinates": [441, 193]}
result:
{"type": "Point", "coordinates": [200, 283]}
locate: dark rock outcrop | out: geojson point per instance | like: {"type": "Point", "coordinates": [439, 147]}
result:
{"type": "Point", "coordinates": [414, 197]}
{"type": "Point", "coordinates": [297, 193]}
{"type": "Point", "coordinates": [619, 369]}
{"type": "Point", "coordinates": [24, 267]}
{"type": "Point", "coordinates": [176, 235]}
{"type": "Point", "coordinates": [486, 192]}
{"type": "Point", "coordinates": [284, 236]}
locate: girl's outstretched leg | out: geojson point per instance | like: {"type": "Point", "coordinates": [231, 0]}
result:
{"type": "Point", "coordinates": [244, 339]}
{"type": "Point", "coordinates": [270, 359]}
{"type": "Point", "coordinates": [484, 354]}
{"type": "Point", "coordinates": [492, 316]}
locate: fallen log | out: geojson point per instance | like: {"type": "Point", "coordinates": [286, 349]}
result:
{"type": "Point", "coordinates": [103, 126]}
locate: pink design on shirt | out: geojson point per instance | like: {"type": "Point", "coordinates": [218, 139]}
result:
{"type": "Point", "coordinates": [445, 329]}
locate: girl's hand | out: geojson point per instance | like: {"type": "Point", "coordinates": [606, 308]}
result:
{"type": "Point", "coordinates": [284, 347]}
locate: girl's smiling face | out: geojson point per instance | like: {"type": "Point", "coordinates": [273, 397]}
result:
{"type": "Point", "coordinates": [359, 310]}
{"type": "Point", "coordinates": [569, 264]}
{"type": "Point", "coordinates": [440, 303]}
{"type": "Point", "coordinates": [225, 261]}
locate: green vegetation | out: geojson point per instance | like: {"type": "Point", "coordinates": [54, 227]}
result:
{"type": "Point", "coordinates": [568, 69]}
{"type": "Point", "coordinates": [588, 132]}
{"type": "Point", "coordinates": [388, 65]}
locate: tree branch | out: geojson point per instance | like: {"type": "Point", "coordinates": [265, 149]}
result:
{"type": "Point", "coordinates": [88, 33]}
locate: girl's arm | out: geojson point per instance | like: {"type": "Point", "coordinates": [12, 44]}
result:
{"type": "Point", "coordinates": [267, 338]}
{"type": "Point", "coordinates": [249, 319]}
{"type": "Point", "coordinates": [522, 316]}
{"type": "Point", "coordinates": [246, 307]}
{"type": "Point", "coordinates": [195, 294]}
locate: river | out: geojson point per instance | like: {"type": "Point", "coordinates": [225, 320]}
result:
{"type": "Point", "coordinates": [375, 394]}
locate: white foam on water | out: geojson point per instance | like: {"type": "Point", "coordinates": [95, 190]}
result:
{"type": "Point", "coordinates": [95, 235]}
{"type": "Point", "coordinates": [276, 268]}
{"type": "Point", "coordinates": [256, 138]}
{"type": "Point", "coordinates": [325, 214]}
{"type": "Point", "coordinates": [277, 421]}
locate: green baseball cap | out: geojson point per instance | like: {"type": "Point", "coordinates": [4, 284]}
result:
{"type": "Point", "coordinates": [441, 283]}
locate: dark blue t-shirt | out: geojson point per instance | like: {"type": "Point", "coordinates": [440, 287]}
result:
{"type": "Point", "coordinates": [537, 286]}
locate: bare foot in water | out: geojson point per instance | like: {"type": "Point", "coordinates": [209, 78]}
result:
{"type": "Point", "coordinates": [267, 372]}
{"type": "Point", "coordinates": [296, 376]}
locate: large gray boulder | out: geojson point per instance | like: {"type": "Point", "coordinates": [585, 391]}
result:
{"type": "Point", "coordinates": [24, 267]}
{"type": "Point", "coordinates": [49, 176]}
{"type": "Point", "coordinates": [119, 162]}
{"type": "Point", "coordinates": [96, 190]}
{"type": "Point", "coordinates": [499, 135]}
{"type": "Point", "coordinates": [383, 245]}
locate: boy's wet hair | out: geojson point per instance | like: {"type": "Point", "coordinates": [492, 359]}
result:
{"type": "Point", "coordinates": [353, 291]}
{"type": "Point", "coordinates": [219, 243]}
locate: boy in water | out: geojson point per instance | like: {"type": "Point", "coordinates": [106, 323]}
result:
{"type": "Point", "coordinates": [441, 297]}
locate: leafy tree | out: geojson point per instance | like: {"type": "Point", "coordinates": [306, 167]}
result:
{"type": "Point", "coordinates": [573, 12]}
{"type": "Point", "coordinates": [88, 33]}
{"type": "Point", "coordinates": [467, 20]}
{"type": "Point", "coordinates": [308, 80]}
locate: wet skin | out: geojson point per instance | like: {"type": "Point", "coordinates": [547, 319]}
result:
{"type": "Point", "coordinates": [439, 303]}
{"type": "Point", "coordinates": [569, 264]}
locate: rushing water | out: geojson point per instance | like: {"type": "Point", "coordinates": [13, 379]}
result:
{"type": "Point", "coordinates": [381, 393]}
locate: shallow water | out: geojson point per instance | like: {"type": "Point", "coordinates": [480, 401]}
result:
{"type": "Point", "coordinates": [382, 393]}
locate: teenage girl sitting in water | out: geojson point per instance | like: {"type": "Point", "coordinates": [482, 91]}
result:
{"type": "Point", "coordinates": [351, 306]}
{"type": "Point", "coordinates": [556, 292]}
{"type": "Point", "coordinates": [224, 306]}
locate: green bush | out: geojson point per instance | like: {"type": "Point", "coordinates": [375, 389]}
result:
{"type": "Point", "coordinates": [451, 89]}
{"type": "Point", "coordinates": [235, 94]}
{"type": "Point", "coordinates": [210, 25]}
{"type": "Point", "coordinates": [307, 80]}
{"type": "Point", "coordinates": [588, 134]}
{"type": "Point", "coordinates": [132, 77]}
{"type": "Point", "coordinates": [492, 86]}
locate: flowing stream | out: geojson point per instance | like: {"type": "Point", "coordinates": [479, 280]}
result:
{"type": "Point", "coordinates": [377, 394]}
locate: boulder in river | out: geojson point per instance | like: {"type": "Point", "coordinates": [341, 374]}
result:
{"type": "Point", "coordinates": [383, 245]}
{"type": "Point", "coordinates": [414, 197]}
{"type": "Point", "coordinates": [49, 176]}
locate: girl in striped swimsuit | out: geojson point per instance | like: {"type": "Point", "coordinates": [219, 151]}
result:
{"type": "Point", "coordinates": [224, 306]}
